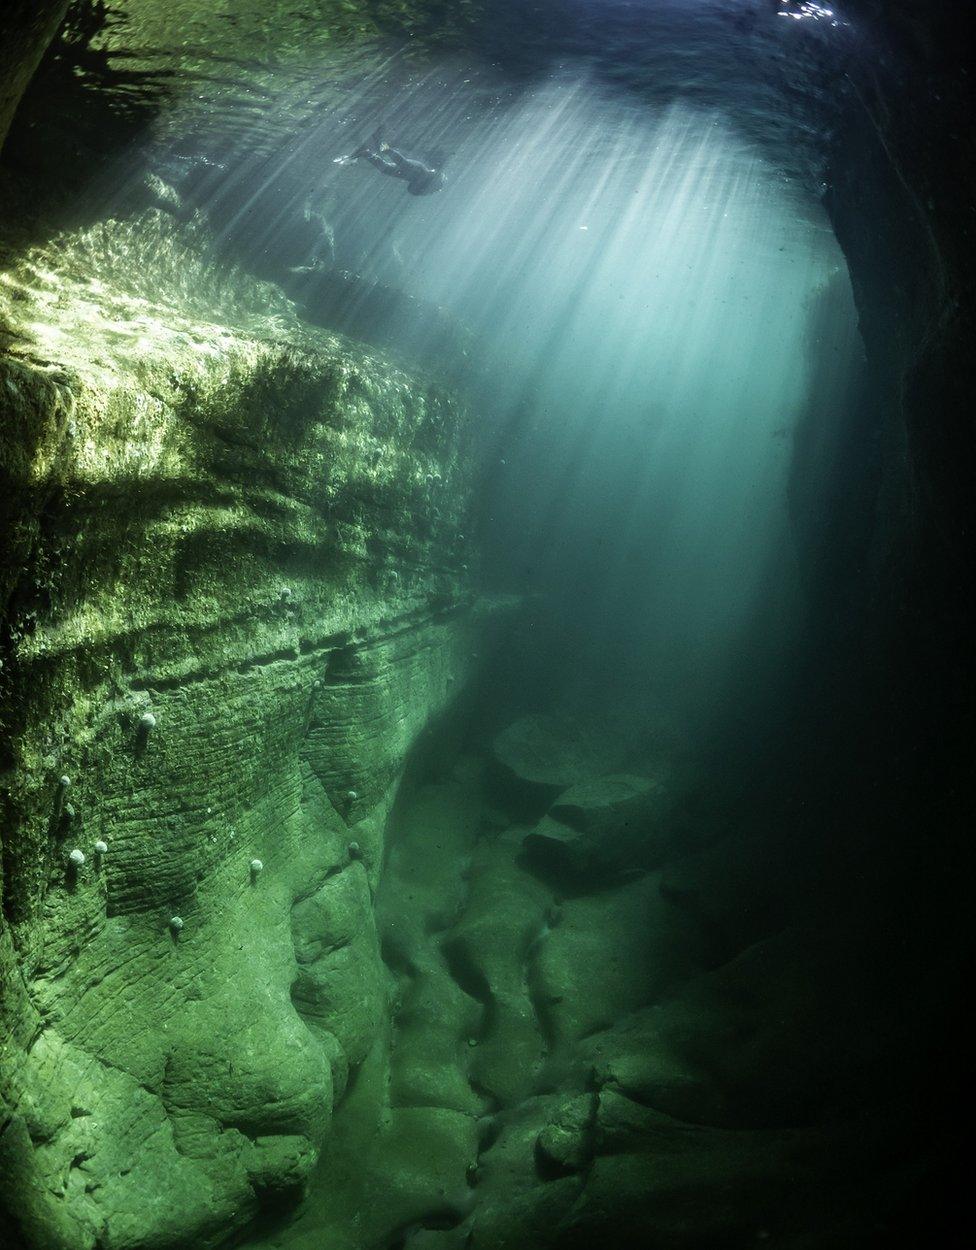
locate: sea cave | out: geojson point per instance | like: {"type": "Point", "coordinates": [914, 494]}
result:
{"type": "Point", "coordinates": [486, 664]}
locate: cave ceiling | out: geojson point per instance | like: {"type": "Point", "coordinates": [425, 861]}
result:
{"type": "Point", "coordinates": [246, 76]}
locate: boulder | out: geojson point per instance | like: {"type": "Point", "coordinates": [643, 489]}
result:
{"type": "Point", "coordinates": [606, 955]}
{"type": "Point", "coordinates": [489, 951]}
{"type": "Point", "coordinates": [537, 757]}
{"type": "Point", "coordinates": [602, 827]}
{"type": "Point", "coordinates": [660, 1183]}
{"type": "Point", "coordinates": [566, 1143]}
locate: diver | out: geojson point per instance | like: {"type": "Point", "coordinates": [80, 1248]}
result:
{"type": "Point", "coordinates": [421, 178]}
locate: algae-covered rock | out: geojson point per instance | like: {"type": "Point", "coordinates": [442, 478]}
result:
{"type": "Point", "coordinates": [422, 896]}
{"type": "Point", "coordinates": [776, 1037]}
{"type": "Point", "coordinates": [606, 806]}
{"type": "Point", "coordinates": [489, 951]}
{"type": "Point", "coordinates": [608, 954]}
{"type": "Point", "coordinates": [420, 1165]}
{"type": "Point", "coordinates": [514, 1205]}
{"type": "Point", "coordinates": [635, 1057]}
{"type": "Point", "coordinates": [658, 1182]}
{"type": "Point", "coordinates": [340, 988]}
{"type": "Point", "coordinates": [204, 506]}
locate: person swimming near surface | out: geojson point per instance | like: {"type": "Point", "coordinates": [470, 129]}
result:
{"type": "Point", "coordinates": [421, 178]}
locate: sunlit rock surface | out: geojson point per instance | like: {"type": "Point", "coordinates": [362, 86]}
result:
{"type": "Point", "coordinates": [232, 612]}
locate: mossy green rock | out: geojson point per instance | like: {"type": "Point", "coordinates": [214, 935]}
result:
{"type": "Point", "coordinates": [609, 954]}
{"type": "Point", "coordinates": [234, 602]}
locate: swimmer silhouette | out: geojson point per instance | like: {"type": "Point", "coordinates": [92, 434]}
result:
{"type": "Point", "coordinates": [421, 178]}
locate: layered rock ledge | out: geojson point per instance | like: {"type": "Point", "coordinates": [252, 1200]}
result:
{"type": "Point", "coordinates": [237, 596]}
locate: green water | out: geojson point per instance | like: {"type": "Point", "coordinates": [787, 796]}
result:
{"type": "Point", "coordinates": [642, 287]}
{"type": "Point", "coordinates": [655, 318]}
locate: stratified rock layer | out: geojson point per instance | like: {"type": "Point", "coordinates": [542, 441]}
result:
{"type": "Point", "coordinates": [234, 604]}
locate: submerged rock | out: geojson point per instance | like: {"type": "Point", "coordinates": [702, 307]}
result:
{"type": "Point", "coordinates": [515, 1207]}
{"type": "Point", "coordinates": [609, 954]}
{"type": "Point", "coordinates": [566, 1143]}
{"type": "Point", "coordinates": [607, 805]}
{"type": "Point", "coordinates": [421, 897]}
{"type": "Point", "coordinates": [600, 828]}
{"type": "Point", "coordinates": [420, 1162]}
{"type": "Point", "coordinates": [540, 756]}
{"type": "Point", "coordinates": [659, 1182]}
{"type": "Point", "coordinates": [490, 950]}
{"type": "Point", "coordinates": [179, 445]}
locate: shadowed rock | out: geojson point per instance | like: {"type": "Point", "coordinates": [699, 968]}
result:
{"type": "Point", "coordinates": [601, 828]}
{"type": "Point", "coordinates": [540, 756]}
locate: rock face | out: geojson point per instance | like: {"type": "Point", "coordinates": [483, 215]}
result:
{"type": "Point", "coordinates": [233, 604]}
{"type": "Point", "coordinates": [28, 27]}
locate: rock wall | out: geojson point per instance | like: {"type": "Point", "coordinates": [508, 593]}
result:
{"type": "Point", "coordinates": [28, 27]}
{"type": "Point", "coordinates": [899, 195]}
{"type": "Point", "coordinates": [233, 600]}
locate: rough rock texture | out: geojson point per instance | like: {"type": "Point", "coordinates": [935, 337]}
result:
{"type": "Point", "coordinates": [230, 613]}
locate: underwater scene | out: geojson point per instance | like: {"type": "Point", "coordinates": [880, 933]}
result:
{"type": "Point", "coordinates": [486, 668]}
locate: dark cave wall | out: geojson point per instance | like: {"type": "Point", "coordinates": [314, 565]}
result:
{"type": "Point", "coordinates": [28, 27]}
{"type": "Point", "coordinates": [900, 194]}
{"type": "Point", "coordinates": [900, 197]}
